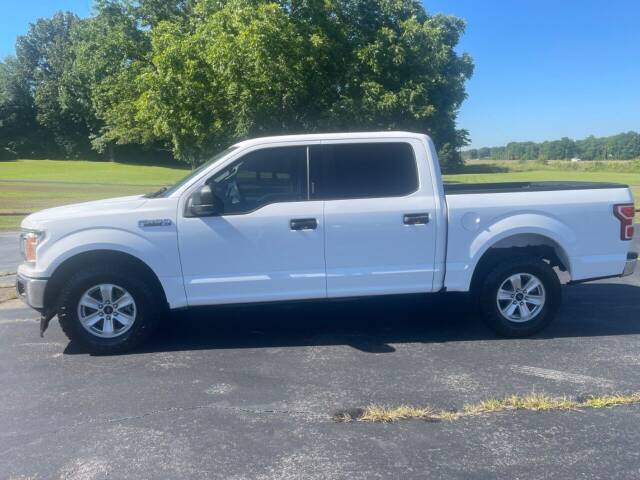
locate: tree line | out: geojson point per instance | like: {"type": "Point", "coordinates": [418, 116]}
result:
{"type": "Point", "coordinates": [624, 146]}
{"type": "Point", "coordinates": [185, 78]}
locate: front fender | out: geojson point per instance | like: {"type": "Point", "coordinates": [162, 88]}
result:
{"type": "Point", "coordinates": [157, 249]}
{"type": "Point", "coordinates": [151, 251]}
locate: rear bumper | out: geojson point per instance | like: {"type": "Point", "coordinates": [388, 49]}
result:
{"type": "Point", "coordinates": [31, 290]}
{"type": "Point", "coordinates": [630, 264]}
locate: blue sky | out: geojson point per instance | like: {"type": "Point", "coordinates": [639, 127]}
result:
{"type": "Point", "coordinates": [544, 68]}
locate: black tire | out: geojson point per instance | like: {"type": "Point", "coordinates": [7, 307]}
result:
{"type": "Point", "coordinates": [495, 278]}
{"type": "Point", "coordinates": [148, 310]}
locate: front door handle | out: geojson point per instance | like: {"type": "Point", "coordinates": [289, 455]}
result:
{"type": "Point", "coordinates": [415, 218]}
{"type": "Point", "coordinates": [303, 224]}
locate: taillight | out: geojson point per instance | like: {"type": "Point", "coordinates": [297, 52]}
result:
{"type": "Point", "coordinates": [625, 213]}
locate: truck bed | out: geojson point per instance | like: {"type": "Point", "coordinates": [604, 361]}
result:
{"type": "Point", "coordinates": [509, 187]}
{"type": "Point", "coordinates": [577, 218]}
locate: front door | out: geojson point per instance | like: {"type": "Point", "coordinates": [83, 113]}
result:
{"type": "Point", "coordinates": [268, 244]}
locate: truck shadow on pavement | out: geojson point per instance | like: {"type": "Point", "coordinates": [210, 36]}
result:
{"type": "Point", "coordinates": [372, 325]}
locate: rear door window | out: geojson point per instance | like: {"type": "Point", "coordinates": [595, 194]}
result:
{"type": "Point", "coordinates": [363, 170]}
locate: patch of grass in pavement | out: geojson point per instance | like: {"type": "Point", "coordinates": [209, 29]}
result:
{"type": "Point", "coordinates": [377, 413]}
{"type": "Point", "coordinates": [536, 402]}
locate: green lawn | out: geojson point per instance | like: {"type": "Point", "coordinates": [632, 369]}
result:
{"type": "Point", "coordinates": [94, 173]}
{"type": "Point", "coordinates": [30, 185]}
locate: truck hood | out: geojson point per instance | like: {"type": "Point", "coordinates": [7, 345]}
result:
{"type": "Point", "coordinates": [87, 209]}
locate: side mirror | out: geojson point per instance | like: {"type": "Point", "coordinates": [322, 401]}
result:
{"type": "Point", "coordinates": [203, 203]}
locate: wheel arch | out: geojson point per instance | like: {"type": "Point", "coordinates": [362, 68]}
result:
{"type": "Point", "coordinates": [111, 257]}
{"type": "Point", "coordinates": [520, 244]}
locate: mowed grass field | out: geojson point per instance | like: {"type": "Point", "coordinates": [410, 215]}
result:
{"type": "Point", "coordinates": [617, 171]}
{"type": "Point", "coordinates": [30, 185]}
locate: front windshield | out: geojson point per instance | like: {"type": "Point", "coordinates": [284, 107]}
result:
{"type": "Point", "coordinates": [165, 192]}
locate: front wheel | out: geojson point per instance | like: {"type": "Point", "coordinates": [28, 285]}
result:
{"type": "Point", "coordinates": [520, 296]}
{"type": "Point", "coordinates": [107, 310]}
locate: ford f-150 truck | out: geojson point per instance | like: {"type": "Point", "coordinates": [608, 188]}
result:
{"type": "Point", "coordinates": [319, 217]}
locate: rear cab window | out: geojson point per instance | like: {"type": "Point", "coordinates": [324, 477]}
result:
{"type": "Point", "coordinates": [363, 170]}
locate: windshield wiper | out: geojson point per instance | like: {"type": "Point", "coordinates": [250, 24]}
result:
{"type": "Point", "coordinates": [156, 194]}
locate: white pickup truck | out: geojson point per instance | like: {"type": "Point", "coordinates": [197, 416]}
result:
{"type": "Point", "coordinates": [319, 217]}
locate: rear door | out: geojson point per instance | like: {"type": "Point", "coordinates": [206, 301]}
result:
{"type": "Point", "coordinates": [379, 216]}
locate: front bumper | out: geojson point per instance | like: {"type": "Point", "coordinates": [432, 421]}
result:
{"type": "Point", "coordinates": [31, 290]}
{"type": "Point", "coordinates": [630, 264]}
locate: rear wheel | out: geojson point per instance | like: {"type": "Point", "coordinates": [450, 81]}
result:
{"type": "Point", "coordinates": [108, 310]}
{"type": "Point", "coordinates": [520, 296]}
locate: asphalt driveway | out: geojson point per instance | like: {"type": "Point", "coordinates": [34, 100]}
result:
{"type": "Point", "coordinates": [249, 392]}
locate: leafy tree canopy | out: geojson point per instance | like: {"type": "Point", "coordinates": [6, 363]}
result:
{"type": "Point", "coordinates": [192, 76]}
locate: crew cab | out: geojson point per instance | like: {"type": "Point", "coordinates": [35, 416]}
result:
{"type": "Point", "coordinates": [319, 217]}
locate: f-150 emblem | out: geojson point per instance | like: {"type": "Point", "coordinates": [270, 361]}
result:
{"type": "Point", "coordinates": [156, 222]}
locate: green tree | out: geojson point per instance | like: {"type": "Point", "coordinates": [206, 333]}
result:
{"type": "Point", "coordinates": [624, 146]}
{"type": "Point", "coordinates": [20, 132]}
{"type": "Point", "coordinates": [191, 76]}
{"type": "Point", "coordinates": [44, 56]}
{"type": "Point", "coordinates": [484, 152]}
{"type": "Point", "coordinates": [105, 47]}
{"type": "Point", "coordinates": [234, 72]}
{"type": "Point", "coordinates": [228, 70]}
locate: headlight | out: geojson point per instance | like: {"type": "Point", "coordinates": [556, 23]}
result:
{"type": "Point", "coordinates": [29, 240]}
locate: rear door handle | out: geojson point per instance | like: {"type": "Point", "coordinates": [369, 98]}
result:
{"type": "Point", "coordinates": [303, 224]}
{"type": "Point", "coordinates": [415, 218]}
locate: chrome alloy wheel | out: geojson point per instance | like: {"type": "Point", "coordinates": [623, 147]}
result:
{"type": "Point", "coordinates": [521, 297]}
{"type": "Point", "coordinates": [106, 310]}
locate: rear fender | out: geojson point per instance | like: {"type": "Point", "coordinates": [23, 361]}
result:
{"type": "Point", "coordinates": [522, 224]}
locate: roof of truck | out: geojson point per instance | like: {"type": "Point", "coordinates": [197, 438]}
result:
{"type": "Point", "coordinates": [314, 137]}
